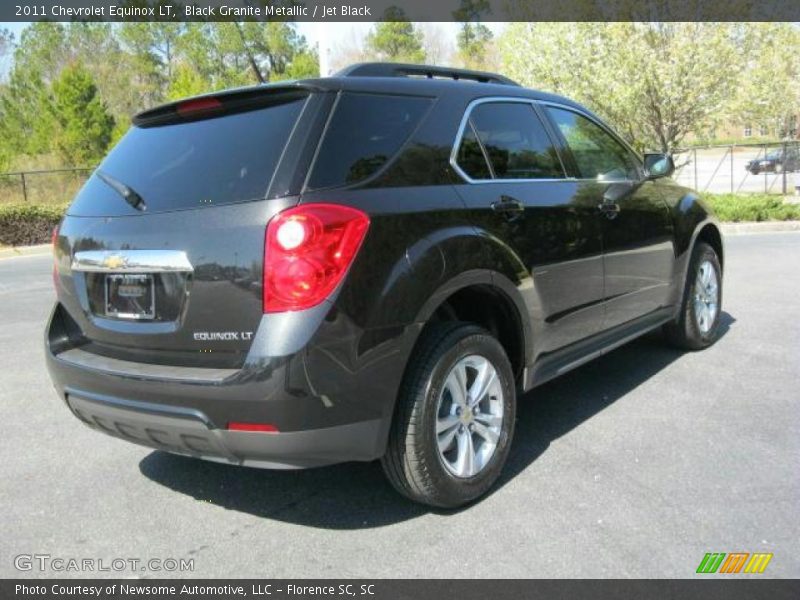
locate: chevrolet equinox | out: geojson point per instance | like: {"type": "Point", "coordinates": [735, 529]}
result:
{"type": "Point", "coordinates": [368, 266]}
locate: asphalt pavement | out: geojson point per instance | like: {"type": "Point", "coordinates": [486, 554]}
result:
{"type": "Point", "coordinates": [634, 465]}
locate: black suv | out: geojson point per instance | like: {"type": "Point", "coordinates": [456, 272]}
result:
{"type": "Point", "coordinates": [368, 266]}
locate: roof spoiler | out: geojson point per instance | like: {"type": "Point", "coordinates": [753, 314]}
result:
{"type": "Point", "coordinates": [222, 102]}
{"type": "Point", "coordinates": [380, 69]}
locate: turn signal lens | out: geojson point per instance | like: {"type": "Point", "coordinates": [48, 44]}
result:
{"type": "Point", "coordinates": [308, 250]}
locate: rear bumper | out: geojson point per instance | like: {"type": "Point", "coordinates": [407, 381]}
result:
{"type": "Point", "coordinates": [191, 433]}
{"type": "Point", "coordinates": [325, 411]}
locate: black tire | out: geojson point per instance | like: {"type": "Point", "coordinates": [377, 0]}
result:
{"type": "Point", "coordinates": [684, 332]}
{"type": "Point", "coordinates": [412, 462]}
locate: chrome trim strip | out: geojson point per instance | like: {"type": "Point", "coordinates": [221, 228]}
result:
{"type": "Point", "coordinates": [131, 261]}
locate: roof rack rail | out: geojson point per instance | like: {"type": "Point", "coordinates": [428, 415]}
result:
{"type": "Point", "coordinates": [380, 69]}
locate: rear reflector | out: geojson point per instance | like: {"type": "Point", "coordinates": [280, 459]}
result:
{"type": "Point", "coordinates": [198, 106]}
{"type": "Point", "coordinates": [262, 427]}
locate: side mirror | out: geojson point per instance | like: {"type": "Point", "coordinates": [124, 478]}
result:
{"type": "Point", "coordinates": [658, 165]}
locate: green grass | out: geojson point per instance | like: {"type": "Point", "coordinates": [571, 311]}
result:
{"type": "Point", "coordinates": [737, 208]}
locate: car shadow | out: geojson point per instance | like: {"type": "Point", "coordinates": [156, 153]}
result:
{"type": "Point", "coordinates": [356, 495]}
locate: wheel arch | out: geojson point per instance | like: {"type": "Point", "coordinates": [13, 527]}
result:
{"type": "Point", "coordinates": [711, 235]}
{"type": "Point", "coordinates": [488, 299]}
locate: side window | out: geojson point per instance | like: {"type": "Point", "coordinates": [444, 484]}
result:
{"type": "Point", "coordinates": [513, 138]}
{"type": "Point", "coordinates": [365, 132]}
{"type": "Point", "coordinates": [599, 156]}
{"type": "Point", "coordinates": [470, 156]}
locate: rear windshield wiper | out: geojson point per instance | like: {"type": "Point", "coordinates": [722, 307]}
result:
{"type": "Point", "coordinates": [128, 193]}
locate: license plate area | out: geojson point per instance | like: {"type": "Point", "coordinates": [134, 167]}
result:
{"type": "Point", "coordinates": [130, 296]}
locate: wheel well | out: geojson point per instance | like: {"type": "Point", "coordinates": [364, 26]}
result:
{"type": "Point", "coordinates": [711, 236]}
{"type": "Point", "coordinates": [491, 309]}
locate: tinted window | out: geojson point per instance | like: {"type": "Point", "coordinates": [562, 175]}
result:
{"type": "Point", "coordinates": [470, 156]}
{"type": "Point", "coordinates": [515, 141]}
{"type": "Point", "coordinates": [213, 161]}
{"type": "Point", "coordinates": [365, 132]}
{"type": "Point", "coordinates": [597, 154]}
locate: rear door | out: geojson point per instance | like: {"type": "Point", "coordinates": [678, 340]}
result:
{"type": "Point", "coordinates": [636, 226]}
{"type": "Point", "coordinates": [518, 192]}
{"type": "Point", "coordinates": [160, 255]}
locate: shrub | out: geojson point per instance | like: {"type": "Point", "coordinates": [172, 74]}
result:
{"type": "Point", "coordinates": [751, 207]}
{"type": "Point", "coordinates": [25, 224]}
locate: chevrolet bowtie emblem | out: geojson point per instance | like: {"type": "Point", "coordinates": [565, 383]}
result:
{"type": "Point", "coordinates": [115, 261]}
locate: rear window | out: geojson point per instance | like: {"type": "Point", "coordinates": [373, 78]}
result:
{"type": "Point", "coordinates": [221, 160]}
{"type": "Point", "coordinates": [365, 132]}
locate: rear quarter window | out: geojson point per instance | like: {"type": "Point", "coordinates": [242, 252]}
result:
{"type": "Point", "coordinates": [365, 132]}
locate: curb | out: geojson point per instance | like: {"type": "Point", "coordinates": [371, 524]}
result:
{"type": "Point", "coordinates": [759, 227]}
{"type": "Point", "coordinates": [25, 251]}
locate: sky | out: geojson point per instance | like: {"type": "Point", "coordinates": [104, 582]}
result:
{"type": "Point", "coordinates": [331, 35]}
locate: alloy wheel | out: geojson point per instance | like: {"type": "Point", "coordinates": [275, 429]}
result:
{"type": "Point", "coordinates": [706, 296]}
{"type": "Point", "coordinates": [469, 417]}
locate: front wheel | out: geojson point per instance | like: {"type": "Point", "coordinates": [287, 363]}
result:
{"type": "Point", "coordinates": [455, 417]}
{"type": "Point", "coordinates": [697, 325]}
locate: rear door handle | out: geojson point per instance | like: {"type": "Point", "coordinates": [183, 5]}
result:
{"type": "Point", "coordinates": [509, 207]}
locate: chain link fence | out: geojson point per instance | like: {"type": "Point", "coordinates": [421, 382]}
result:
{"type": "Point", "coordinates": [741, 168]}
{"type": "Point", "coordinates": [52, 186]}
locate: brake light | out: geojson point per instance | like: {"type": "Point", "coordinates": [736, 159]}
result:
{"type": "Point", "coordinates": [262, 427]}
{"type": "Point", "coordinates": [197, 106]}
{"type": "Point", "coordinates": [307, 251]}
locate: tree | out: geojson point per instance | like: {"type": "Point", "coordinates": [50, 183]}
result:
{"type": "Point", "coordinates": [473, 37]}
{"type": "Point", "coordinates": [186, 82]}
{"type": "Point", "coordinates": [655, 82]}
{"type": "Point", "coordinates": [304, 65]}
{"type": "Point", "coordinates": [230, 54]}
{"type": "Point", "coordinates": [436, 43]}
{"type": "Point", "coordinates": [395, 38]}
{"type": "Point", "coordinates": [83, 126]}
{"type": "Point", "coordinates": [24, 122]}
{"type": "Point", "coordinates": [769, 93]}
{"type": "Point", "coordinates": [153, 50]}
{"type": "Point", "coordinates": [6, 48]}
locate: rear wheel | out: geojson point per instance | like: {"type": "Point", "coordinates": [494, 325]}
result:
{"type": "Point", "coordinates": [697, 325]}
{"type": "Point", "coordinates": [455, 417]}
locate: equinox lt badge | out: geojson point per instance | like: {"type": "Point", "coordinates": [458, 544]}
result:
{"type": "Point", "coordinates": [222, 336]}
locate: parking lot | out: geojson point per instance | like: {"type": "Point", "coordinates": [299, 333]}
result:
{"type": "Point", "coordinates": [722, 170]}
{"type": "Point", "coordinates": [634, 465]}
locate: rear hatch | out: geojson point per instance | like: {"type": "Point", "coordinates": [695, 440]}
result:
{"type": "Point", "coordinates": [159, 258]}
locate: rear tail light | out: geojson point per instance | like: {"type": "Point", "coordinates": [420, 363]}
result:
{"type": "Point", "coordinates": [262, 427]}
{"type": "Point", "coordinates": [308, 250]}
